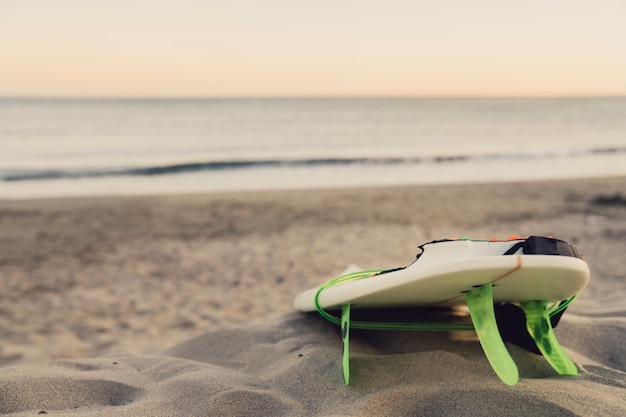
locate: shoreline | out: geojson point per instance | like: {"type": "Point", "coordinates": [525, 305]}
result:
{"type": "Point", "coordinates": [596, 164]}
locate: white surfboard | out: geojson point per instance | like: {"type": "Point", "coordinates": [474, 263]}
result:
{"type": "Point", "coordinates": [531, 272]}
{"type": "Point", "coordinates": [446, 270]}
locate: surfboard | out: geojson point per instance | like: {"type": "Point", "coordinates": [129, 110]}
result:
{"type": "Point", "coordinates": [530, 272]}
{"type": "Point", "coordinates": [446, 270]}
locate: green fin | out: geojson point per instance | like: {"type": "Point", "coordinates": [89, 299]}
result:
{"type": "Point", "coordinates": [480, 303]}
{"type": "Point", "coordinates": [540, 329]}
{"type": "Point", "coordinates": [345, 336]}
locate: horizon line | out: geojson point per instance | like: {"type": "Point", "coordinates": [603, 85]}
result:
{"type": "Point", "coordinates": [308, 97]}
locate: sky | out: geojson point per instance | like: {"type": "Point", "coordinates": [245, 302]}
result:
{"type": "Point", "coordinates": [312, 48]}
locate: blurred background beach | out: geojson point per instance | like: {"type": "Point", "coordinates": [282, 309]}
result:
{"type": "Point", "coordinates": [156, 98]}
{"type": "Point", "coordinates": [172, 168]}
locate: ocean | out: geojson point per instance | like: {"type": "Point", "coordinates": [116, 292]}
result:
{"type": "Point", "coordinates": [90, 147]}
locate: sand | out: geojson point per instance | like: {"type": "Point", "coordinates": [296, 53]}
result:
{"type": "Point", "coordinates": [181, 305]}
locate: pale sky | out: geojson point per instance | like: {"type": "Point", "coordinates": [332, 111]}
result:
{"type": "Point", "coordinates": [261, 48]}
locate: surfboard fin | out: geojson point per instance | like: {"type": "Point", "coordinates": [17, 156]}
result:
{"type": "Point", "coordinates": [540, 329]}
{"type": "Point", "coordinates": [345, 336]}
{"type": "Point", "coordinates": [480, 304]}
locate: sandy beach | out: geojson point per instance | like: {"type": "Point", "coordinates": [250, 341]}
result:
{"type": "Point", "coordinates": [182, 305]}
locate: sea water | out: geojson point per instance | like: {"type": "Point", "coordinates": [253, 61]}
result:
{"type": "Point", "coordinates": [83, 147]}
